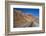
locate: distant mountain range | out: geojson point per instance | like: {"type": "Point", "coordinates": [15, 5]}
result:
{"type": "Point", "coordinates": [24, 20]}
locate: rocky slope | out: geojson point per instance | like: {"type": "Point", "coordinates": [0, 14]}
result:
{"type": "Point", "coordinates": [23, 20]}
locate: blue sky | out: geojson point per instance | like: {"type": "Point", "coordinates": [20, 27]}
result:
{"type": "Point", "coordinates": [34, 12]}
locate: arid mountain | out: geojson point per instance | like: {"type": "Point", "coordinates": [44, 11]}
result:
{"type": "Point", "coordinates": [23, 20]}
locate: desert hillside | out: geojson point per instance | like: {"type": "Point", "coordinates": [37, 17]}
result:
{"type": "Point", "coordinates": [21, 19]}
